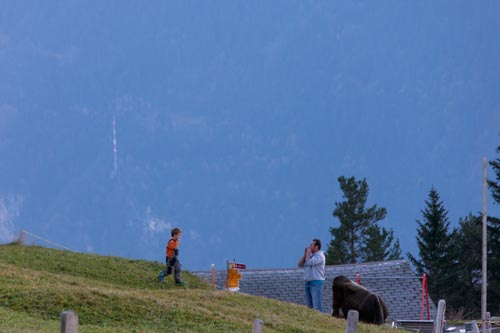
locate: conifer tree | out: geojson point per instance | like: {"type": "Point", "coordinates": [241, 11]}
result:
{"type": "Point", "coordinates": [494, 185]}
{"type": "Point", "coordinates": [493, 266]}
{"type": "Point", "coordinates": [378, 245]}
{"type": "Point", "coordinates": [494, 243]}
{"type": "Point", "coordinates": [433, 240]}
{"type": "Point", "coordinates": [359, 237]}
{"type": "Point", "coordinates": [465, 291]}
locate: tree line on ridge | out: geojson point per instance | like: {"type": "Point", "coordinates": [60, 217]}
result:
{"type": "Point", "coordinates": [450, 257]}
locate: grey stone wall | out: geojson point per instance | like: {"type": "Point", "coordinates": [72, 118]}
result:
{"type": "Point", "coordinates": [395, 281]}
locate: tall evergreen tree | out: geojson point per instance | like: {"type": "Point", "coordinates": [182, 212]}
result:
{"type": "Point", "coordinates": [378, 245]}
{"type": "Point", "coordinates": [467, 251]}
{"type": "Point", "coordinates": [465, 291]}
{"type": "Point", "coordinates": [494, 243]}
{"type": "Point", "coordinates": [433, 240]}
{"type": "Point", "coordinates": [493, 266]}
{"type": "Point", "coordinates": [494, 185]}
{"type": "Point", "coordinates": [359, 237]}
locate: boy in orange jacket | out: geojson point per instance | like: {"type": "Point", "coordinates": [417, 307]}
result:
{"type": "Point", "coordinates": [172, 261]}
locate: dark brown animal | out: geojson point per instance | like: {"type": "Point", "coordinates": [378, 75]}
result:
{"type": "Point", "coordinates": [348, 295]}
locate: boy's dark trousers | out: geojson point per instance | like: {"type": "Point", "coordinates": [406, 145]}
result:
{"type": "Point", "coordinates": [173, 264]}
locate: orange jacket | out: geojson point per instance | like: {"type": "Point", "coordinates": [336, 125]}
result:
{"type": "Point", "coordinates": [171, 247]}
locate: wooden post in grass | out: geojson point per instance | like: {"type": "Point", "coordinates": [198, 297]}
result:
{"type": "Point", "coordinates": [471, 327]}
{"type": "Point", "coordinates": [438, 322]}
{"type": "Point", "coordinates": [258, 326]}
{"type": "Point", "coordinates": [352, 321]}
{"type": "Point", "coordinates": [487, 323]}
{"type": "Point", "coordinates": [69, 322]}
{"type": "Point", "coordinates": [213, 276]}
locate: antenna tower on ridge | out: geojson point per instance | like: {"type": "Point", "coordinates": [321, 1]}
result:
{"type": "Point", "coordinates": [115, 166]}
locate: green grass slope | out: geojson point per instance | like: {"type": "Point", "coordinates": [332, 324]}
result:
{"type": "Point", "coordinates": [112, 294]}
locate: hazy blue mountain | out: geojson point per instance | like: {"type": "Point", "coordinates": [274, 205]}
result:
{"type": "Point", "coordinates": [234, 120]}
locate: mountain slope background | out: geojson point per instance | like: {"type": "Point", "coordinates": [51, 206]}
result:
{"type": "Point", "coordinates": [235, 120]}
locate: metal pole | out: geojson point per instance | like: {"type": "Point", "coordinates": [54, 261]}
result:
{"type": "Point", "coordinates": [484, 259]}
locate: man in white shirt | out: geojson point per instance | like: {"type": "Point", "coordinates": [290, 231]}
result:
{"type": "Point", "coordinates": [313, 262]}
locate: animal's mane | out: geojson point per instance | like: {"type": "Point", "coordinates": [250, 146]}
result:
{"type": "Point", "coordinates": [355, 286]}
{"type": "Point", "coordinates": [349, 284]}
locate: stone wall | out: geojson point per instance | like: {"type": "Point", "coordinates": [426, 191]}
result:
{"type": "Point", "coordinates": [395, 281]}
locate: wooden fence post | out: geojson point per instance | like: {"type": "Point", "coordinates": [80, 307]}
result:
{"type": "Point", "coordinates": [438, 322]}
{"type": "Point", "coordinates": [471, 327]}
{"type": "Point", "coordinates": [487, 323]}
{"type": "Point", "coordinates": [213, 275]}
{"type": "Point", "coordinates": [258, 326]}
{"type": "Point", "coordinates": [352, 321]}
{"type": "Point", "coordinates": [69, 322]}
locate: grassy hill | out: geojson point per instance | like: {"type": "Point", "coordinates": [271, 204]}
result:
{"type": "Point", "coordinates": [112, 294]}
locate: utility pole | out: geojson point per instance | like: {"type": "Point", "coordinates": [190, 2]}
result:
{"type": "Point", "coordinates": [484, 259]}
